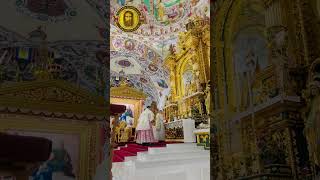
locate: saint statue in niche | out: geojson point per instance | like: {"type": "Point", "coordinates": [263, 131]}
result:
{"type": "Point", "coordinates": [251, 61]}
{"type": "Point", "coordinates": [128, 18]}
{"type": "Point", "coordinates": [247, 79]}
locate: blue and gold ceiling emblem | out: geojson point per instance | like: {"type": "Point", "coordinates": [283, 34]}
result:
{"type": "Point", "coordinates": [128, 18]}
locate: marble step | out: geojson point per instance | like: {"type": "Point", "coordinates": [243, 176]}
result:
{"type": "Point", "coordinates": [186, 168]}
{"type": "Point", "coordinates": [181, 145]}
{"type": "Point", "coordinates": [165, 150]}
{"type": "Point", "coordinates": [173, 150]}
{"type": "Point", "coordinates": [168, 163]}
{"type": "Point", "coordinates": [175, 173]}
{"type": "Point", "coordinates": [171, 156]}
{"type": "Point", "coordinates": [130, 158]}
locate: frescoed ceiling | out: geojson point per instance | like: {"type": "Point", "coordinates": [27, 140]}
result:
{"type": "Point", "coordinates": [75, 34]}
{"type": "Point", "coordinates": [149, 45]}
{"type": "Point", "coordinates": [156, 31]}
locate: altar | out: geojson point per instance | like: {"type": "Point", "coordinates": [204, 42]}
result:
{"type": "Point", "coordinates": [181, 130]}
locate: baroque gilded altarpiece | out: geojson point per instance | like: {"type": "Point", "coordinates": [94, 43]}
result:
{"type": "Point", "coordinates": [266, 127]}
{"type": "Point", "coordinates": [55, 106]}
{"type": "Point", "coordinates": [189, 71]}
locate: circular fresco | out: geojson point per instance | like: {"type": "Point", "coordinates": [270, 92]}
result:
{"type": "Point", "coordinates": [128, 18]}
{"type": "Point", "coordinates": [153, 67]}
{"type": "Point", "coordinates": [129, 44]}
{"type": "Point", "coordinates": [124, 63]}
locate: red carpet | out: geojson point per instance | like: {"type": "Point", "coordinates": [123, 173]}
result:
{"type": "Point", "coordinates": [132, 149]}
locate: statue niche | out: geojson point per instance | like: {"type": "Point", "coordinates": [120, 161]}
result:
{"type": "Point", "coordinates": [187, 82]}
{"type": "Point", "coordinates": [253, 71]}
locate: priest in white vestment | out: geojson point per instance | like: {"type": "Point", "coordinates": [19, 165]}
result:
{"type": "Point", "coordinates": [159, 130]}
{"type": "Point", "coordinates": [144, 130]}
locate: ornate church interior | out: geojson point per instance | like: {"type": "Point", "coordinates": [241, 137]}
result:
{"type": "Point", "coordinates": [265, 84]}
{"type": "Point", "coordinates": [160, 91]}
{"type": "Point", "coordinates": [53, 90]}
{"type": "Point", "coordinates": [196, 90]}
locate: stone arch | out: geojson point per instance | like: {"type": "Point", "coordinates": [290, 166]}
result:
{"type": "Point", "coordinates": [231, 21]}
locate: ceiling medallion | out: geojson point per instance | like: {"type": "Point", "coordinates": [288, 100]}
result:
{"type": "Point", "coordinates": [128, 18]}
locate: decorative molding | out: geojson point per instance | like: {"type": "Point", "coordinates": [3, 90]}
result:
{"type": "Point", "coordinates": [52, 98]}
{"type": "Point", "coordinates": [83, 129]}
{"type": "Point", "coordinates": [126, 92]}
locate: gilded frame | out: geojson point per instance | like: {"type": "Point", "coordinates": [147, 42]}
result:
{"type": "Point", "coordinates": [88, 133]}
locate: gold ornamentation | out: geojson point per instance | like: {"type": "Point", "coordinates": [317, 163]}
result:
{"type": "Point", "coordinates": [57, 96]}
{"type": "Point", "coordinates": [193, 56]}
{"type": "Point", "coordinates": [126, 92]}
{"type": "Point", "coordinates": [128, 18]}
{"type": "Point", "coordinates": [88, 141]}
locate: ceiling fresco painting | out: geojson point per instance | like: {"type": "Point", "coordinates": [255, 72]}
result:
{"type": "Point", "coordinates": [163, 20]}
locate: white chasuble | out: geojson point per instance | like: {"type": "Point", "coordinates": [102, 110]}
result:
{"type": "Point", "coordinates": [145, 119]}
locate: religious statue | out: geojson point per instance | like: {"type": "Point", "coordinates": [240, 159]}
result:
{"type": "Point", "coordinates": [247, 79]}
{"type": "Point", "coordinates": [251, 62]}
{"type": "Point", "coordinates": [60, 161]}
{"type": "Point", "coordinates": [208, 99]}
{"type": "Point", "coordinates": [128, 18]}
{"type": "Point", "coordinates": [313, 123]}
{"type": "Point", "coordinates": [58, 166]}
{"type": "Point", "coordinates": [196, 71]}
{"type": "Point", "coordinates": [187, 87]}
